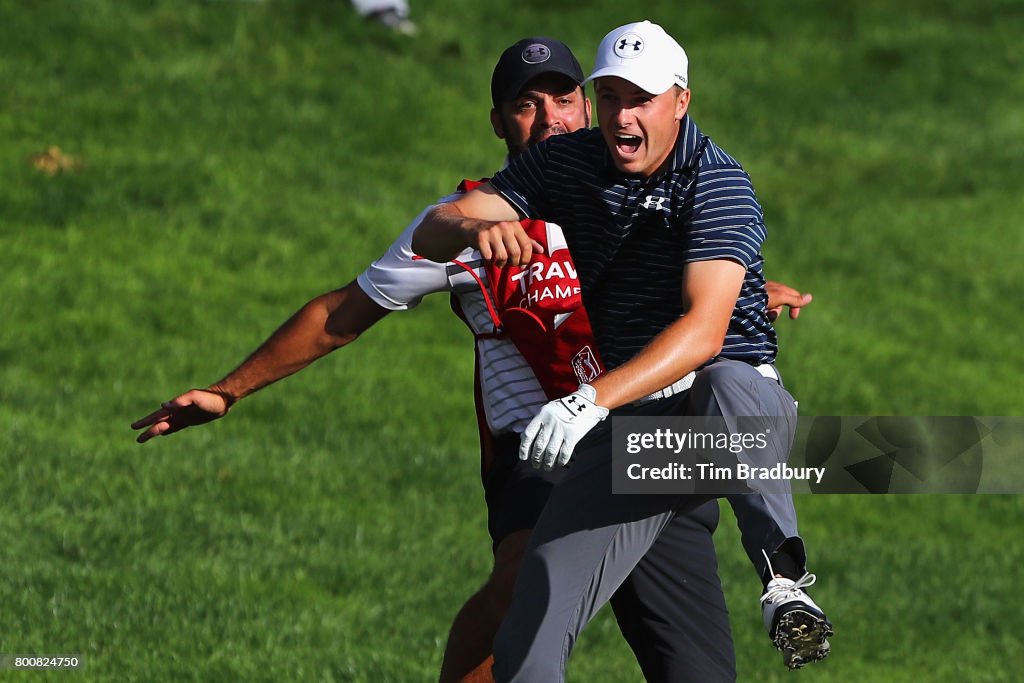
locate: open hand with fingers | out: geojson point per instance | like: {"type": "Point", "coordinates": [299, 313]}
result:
{"type": "Point", "coordinates": [190, 409]}
{"type": "Point", "coordinates": [781, 296]}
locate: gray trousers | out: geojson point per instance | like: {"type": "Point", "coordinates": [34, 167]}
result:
{"type": "Point", "coordinates": [671, 609]}
{"type": "Point", "coordinates": [588, 540]}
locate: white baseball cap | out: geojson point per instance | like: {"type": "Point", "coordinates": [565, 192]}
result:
{"type": "Point", "coordinates": [643, 54]}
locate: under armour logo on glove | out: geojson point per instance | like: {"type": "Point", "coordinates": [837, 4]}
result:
{"type": "Point", "coordinates": [574, 404]}
{"type": "Point", "coordinates": [553, 434]}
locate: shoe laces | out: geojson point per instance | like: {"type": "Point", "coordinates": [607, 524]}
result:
{"type": "Point", "coordinates": [781, 588]}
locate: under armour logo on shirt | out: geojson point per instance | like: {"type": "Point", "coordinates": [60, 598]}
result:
{"type": "Point", "coordinates": [654, 203]}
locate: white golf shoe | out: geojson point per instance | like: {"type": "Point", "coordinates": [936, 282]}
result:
{"type": "Point", "coordinates": [797, 626]}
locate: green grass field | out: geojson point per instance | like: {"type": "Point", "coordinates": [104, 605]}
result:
{"type": "Point", "coordinates": [235, 159]}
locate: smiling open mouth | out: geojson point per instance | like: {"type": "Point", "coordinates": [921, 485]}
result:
{"type": "Point", "coordinates": [628, 143]}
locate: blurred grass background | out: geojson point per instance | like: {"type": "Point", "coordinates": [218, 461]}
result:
{"type": "Point", "coordinates": [234, 159]}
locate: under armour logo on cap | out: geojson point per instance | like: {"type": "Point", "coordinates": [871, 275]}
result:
{"type": "Point", "coordinates": [536, 54]}
{"type": "Point", "coordinates": [643, 54]}
{"type": "Point", "coordinates": [630, 45]}
{"type": "Point", "coordinates": [527, 59]}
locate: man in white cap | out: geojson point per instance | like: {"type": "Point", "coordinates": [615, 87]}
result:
{"type": "Point", "coordinates": [666, 231]}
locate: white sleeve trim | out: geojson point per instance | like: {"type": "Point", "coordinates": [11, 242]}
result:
{"type": "Point", "coordinates": [398, 281]}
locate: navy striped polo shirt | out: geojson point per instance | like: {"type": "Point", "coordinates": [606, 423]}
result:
{"type": "Point", "coordinates": [630, 236]}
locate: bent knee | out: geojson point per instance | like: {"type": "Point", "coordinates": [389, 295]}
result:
{"type": "Point", "coordinates": [497, 592]}
{"type": "Point", "coordinates": [507, 559]}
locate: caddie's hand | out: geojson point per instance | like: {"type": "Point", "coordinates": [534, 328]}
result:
{"type": "Point", "coordinates": [504, 242]}
{"type": "Point", "coordinates": [553, 434]}
{"type": "Point", "coordinates": [192, 408]}
{"type": "Point", "coordinates": [780, 296]}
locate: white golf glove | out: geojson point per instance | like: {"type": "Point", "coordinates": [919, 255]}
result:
{"type": "Point", "coordinates": [553, 434]}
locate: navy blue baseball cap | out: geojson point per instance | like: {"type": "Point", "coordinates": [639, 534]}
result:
{"type": "Point", "coordinates": [527, 59]}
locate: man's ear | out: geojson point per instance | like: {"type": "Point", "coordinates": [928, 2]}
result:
{"type": "Point", "coordinates": [497, 124]}
{"type": "Point", "coordinates": [682, 103]}
{"type": "Point", "coordinates": [586, 107]}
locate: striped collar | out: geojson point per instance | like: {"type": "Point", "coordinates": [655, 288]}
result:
{"type": "Point", "coordinates": [686, 144]}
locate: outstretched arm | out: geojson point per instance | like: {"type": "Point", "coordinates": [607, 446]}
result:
{"type": "Point", "coordinates": [326, 323]}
